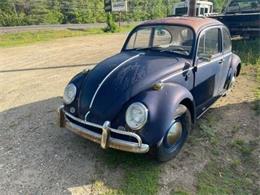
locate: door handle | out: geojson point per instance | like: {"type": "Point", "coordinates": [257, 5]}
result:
{"type": "Point", "coordinates": [221, 61]}
{"type": "Point", "coordinates": [187, 75]}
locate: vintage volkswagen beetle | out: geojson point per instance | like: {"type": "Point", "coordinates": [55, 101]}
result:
{"type": "Point", "coordinates": [147, 97]}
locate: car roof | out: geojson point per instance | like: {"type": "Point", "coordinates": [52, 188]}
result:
{"type": "Point", "coordinates": [196, 23]}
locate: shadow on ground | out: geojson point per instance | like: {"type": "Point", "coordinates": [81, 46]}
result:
{"type": "Point", "coordinates": [39, 157]}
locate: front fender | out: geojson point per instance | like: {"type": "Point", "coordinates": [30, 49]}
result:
{"type": "Point", "coordinates": [162, 105]}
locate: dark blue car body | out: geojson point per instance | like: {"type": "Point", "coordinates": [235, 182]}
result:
{"type": "Point", "coordinates": [159, 80]}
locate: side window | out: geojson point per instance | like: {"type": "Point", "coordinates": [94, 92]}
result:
{"type": "Point", "coordinates": [226, 41]}
{"type": "Point", "coordinates": [140, 39]}
{"type": "Point", "coordinates": [161, 37]}
{"type": "Point", "coordinates": [209, 43]}
{"type": "Point", "coordinates": [202, 11]}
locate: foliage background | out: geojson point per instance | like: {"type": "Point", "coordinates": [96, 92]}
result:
{"type": "Point", "coordinates": [29, 12]}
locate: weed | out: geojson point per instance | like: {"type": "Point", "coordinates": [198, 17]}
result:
{"type": "Point", "coordinates": [235, 163]}
{"type": "Point", "coordinates": [245, 148]}
{"type": "Point", "coordinates": [235, 129]}
{"type": "Point", "coordinates": [207, 131]}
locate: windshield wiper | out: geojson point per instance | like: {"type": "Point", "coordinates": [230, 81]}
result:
{"type": "Point", "coordinates": [140, 49]}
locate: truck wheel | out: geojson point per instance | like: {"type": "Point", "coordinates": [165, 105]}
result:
{"type": "Point", "coordinates": [176, 135]}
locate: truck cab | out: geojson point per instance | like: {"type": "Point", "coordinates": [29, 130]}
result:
{"type": "Point", "coordinates": [203, 8]}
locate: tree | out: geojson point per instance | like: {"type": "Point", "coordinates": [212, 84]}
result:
{"type": "Point", "coordinates": [24, 12]}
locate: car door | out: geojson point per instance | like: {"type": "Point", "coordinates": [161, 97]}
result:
{"type": "Point", "coordinates": [208, 68]}
{"type": "Point", "coordinates": [227, 57]}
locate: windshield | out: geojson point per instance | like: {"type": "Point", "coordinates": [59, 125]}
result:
{"type": "Point", "coordinates": [163, 38]}
{"type": "Point", "coordinates": [237, 6]}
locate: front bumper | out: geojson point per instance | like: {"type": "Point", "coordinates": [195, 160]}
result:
{"type": "Point", "coordinates": [104, 139]}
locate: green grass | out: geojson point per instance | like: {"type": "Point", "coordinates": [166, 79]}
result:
{"type": "Point", "coordinates": [248, 51]}
{"type": "Point", "coordinates": [179, 192]}
{"type": "Point", "coordinates": [221, 179]}
{"type": "Point", "coordinates": [25, 38]}
{"type": "Point", "coordinates": [142, 174]}
{"type": "Point", "coordinates": [257, 92]}
{"type": "Point", "coordinates": [245, 148]}
{"type": "Point", "coordinates": [207, 130]}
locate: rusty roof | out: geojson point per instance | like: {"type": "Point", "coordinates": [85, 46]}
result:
{"type": "Point", "coordinates": [194, 22]}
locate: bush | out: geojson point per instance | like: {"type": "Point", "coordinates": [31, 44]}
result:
{"type": "Point", "coordinates": [53, 17]}
{"type": "Point", "coordinates": [11, 19]}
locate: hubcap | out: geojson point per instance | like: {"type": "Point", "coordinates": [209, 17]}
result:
{"type": "Point", "coordinates": [174, 133]}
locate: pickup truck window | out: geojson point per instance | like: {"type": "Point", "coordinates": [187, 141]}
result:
{"type": "Point", "coordinates": [209, 43]}
{"type": "Point", "coordinates": [237, 6]}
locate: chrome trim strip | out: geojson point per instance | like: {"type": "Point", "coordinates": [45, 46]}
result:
{"type": "Point", "coordinates": [131, 134]}
{"type": "Point", "coordinates": [198, 117]}
{"type": "Point", "coordinates": [199, 65]}
{"type": "Point", "coordinates": [214, 60]}
{"type": "Point", "coordinates": [108, 75]}
{"type": "Point", "coordinates": [175, 74]}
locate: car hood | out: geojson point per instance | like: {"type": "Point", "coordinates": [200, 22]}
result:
{"type": "Point", "coordinates": [114, 81]}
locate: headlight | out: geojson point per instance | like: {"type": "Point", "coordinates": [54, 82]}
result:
{"type": "Point", "coordinates": [69, 93]}
{"type": "Point", "coordinates": [136, 116]}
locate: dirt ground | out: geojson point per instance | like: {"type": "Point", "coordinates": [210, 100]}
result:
{"type": "Point", "coordinates": [37, 157]}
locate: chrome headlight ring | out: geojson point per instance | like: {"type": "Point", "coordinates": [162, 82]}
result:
{"type": "Point", "coordinates": [136, 116]}
{"type": "Point", "coordinates": [69, 93]}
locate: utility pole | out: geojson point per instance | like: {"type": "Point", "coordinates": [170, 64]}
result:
{"type": "Point", "coordinates": [192, 7]}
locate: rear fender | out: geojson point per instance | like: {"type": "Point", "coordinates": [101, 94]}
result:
{"type": "Point", "coordinates": [234, 69]}
{"type": "Point", "coordinates": [162, 105]}
{"type": "Point", "coordinates": [235, 64]}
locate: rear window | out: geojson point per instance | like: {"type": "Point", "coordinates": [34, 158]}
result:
{"type": "Point", "coordinates": [237, 6]}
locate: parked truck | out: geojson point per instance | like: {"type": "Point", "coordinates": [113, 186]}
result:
{"type": "Point", "coordinates": [242, 17]}
{"type": "Point", "coordinates": [203, 8]}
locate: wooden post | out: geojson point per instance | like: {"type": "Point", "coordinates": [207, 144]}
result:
{"type": "Point", "coordinates": [192, 7]}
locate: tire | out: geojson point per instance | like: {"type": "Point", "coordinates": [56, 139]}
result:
{"type": "Point", "coordinates": [166, 150]}
{"type": "Point", "coordinates": [231, 84]}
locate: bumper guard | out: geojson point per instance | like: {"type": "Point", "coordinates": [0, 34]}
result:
{"type": "Point", "coordinates": [105, 140]}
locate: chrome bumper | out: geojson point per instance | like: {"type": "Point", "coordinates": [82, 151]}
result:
{"type": "Point", "coordinates": [104, 139]}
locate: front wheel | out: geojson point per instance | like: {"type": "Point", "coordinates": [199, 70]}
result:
{"type": "Point", "coordinates": [176, 135]}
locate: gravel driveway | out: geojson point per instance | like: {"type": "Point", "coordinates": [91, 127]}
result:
{"type": "Point", "coordinates": [37, 157]}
